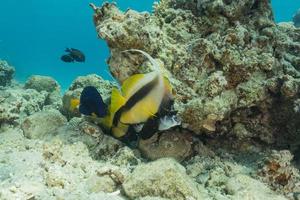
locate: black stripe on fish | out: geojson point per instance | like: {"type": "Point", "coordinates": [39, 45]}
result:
{"type": "Point", "coordinates": [138, 96]}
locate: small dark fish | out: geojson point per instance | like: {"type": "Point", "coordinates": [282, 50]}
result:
{"type": "Point", "coordinates": [67, 58]}
{"type": "Point", "coordinates": [76, 54]}
{"type": "Point", "coordinates": [296, 18]}
{"type": "Point", "coordinates": [91, 102]}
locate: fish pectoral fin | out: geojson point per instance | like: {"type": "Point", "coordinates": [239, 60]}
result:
{"type": "Point", "coordinates": [168, 122]}
{"type": "Point", "coordinates": [106, 121]}
{"type": "Point", "coordinates": [117, 100]}
{"type": "Point", "coordinates": [130, 82]}
{"type": "Point", "coordinates": [168, 86]}
{"type": "Point", "coordinates": [119, 130]}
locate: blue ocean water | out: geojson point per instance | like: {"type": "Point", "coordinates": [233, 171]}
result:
{"type": "Point", "coordinates": [35, 33]}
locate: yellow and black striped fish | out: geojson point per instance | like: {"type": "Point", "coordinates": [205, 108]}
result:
{"type": "Point", "coordinates": [142, 99]}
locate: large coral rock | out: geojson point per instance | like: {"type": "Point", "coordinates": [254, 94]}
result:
{"type": "Point", "coordinates": [162, 178]}
{"type": "Point", "coordinates": [228, 61]}
{"type": "Point", "coordinates": [49, 85]}
{"type": "Point", "coordinates": [101, 146]}
{"type": "Point", "coordinates": [6, 73]}
{"type": "Point", "coordinates": [41, 123]}
{"type": "Point", "coordinates": [40, 83]}
{"type": "Point", "coordinates": [17, 103]}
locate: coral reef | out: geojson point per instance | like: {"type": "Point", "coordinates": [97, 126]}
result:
{"type": "Point", "coordinates": [236, 76]}
{"type": "Point", "coordinates": [6, 73]}
{"type": "Point", "coordinates": [40, 83]}
{"type": "Point", "coordinates": [228, 62]}
{"type": "Point", "coordinates": [76, 160]}
{"type": "Point", "coordinates": [16, 103]}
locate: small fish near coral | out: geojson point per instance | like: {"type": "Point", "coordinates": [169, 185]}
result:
{"type": "Point", "coordinates": [143, 107]}
{"type": "Point", "coordinates": [296, 18]}
{"type": "Point", "coordinates": [73, 55]}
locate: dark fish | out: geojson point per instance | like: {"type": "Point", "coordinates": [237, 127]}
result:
{"type": "Point", "coordinates": [296, 19]}
{"type": "Point", "coordinates": [91, 102]}
{"type": "Point", "coordinates": [76, 54]}
{"type": "Point", "coordinates": [67, 58]}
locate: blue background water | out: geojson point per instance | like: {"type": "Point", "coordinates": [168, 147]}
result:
{"type": "Point", "coordinates": [35, 33]}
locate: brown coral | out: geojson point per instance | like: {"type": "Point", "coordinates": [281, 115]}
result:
{"type": "Point", "coordinates": [279, 173]}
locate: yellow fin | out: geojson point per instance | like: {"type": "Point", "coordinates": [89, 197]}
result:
{"type": "Point", "coordinates": [117, 101]}
{"type": "Point", "coordinates": [106, 121]}
{"type": "Point", "coordinates": [168, 86]}
{"type": "Point", "coordinates": [120, 130]}
{"type": "Point", "coordinates": [130, 82]}
{"type": "Point", "coordinates": [74, 104]}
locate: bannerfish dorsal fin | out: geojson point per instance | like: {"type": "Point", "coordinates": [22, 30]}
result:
{"type": "Point", "coordinates": [129, 83]}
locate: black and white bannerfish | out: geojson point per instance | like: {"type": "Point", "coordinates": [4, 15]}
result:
{"type": "Point", "coordinates": [143, 105]}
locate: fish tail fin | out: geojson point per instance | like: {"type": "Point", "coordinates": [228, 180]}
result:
{"type": "Point", "coordinates": [154, 65]}
{"type": "Point", "coordinates": [91, 102]}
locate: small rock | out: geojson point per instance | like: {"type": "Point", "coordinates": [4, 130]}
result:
{"type": "Point", "coordinates": [54, 101]}
{"type": "Point", "coordinates": [162, 178]}
{"type": "Point", "coordinates": [170, 144]}
{"type": "Point", "coordinates": [242, 186]}
{"type": "Point", "coordinates": [41, 123]}
{"type": "Point", "coordinates": [6, 73]}
{"type": "Point", "coordinates": [75, 131]}
{"type": "Point", "coordinates": [40, 83]}
{"type": "Point", "coordinates": [106, 148]}
{"type": "Point", "coordinates": [152, 198]}
{"type": "Point", "coordinates": [101, 184]}
{"type": "Point", "coordinates": [126, 157]}
{"type": "Point", "coordinates": [240, 131]}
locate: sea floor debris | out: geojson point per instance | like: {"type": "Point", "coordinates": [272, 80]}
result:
{"type": "Point", "coordinates": [75, 159]}
{"type": "Point", "coordinates": [237, 81]}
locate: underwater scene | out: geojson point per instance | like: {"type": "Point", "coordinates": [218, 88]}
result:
{"type": "Point", "coordinates": [150, 100]}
